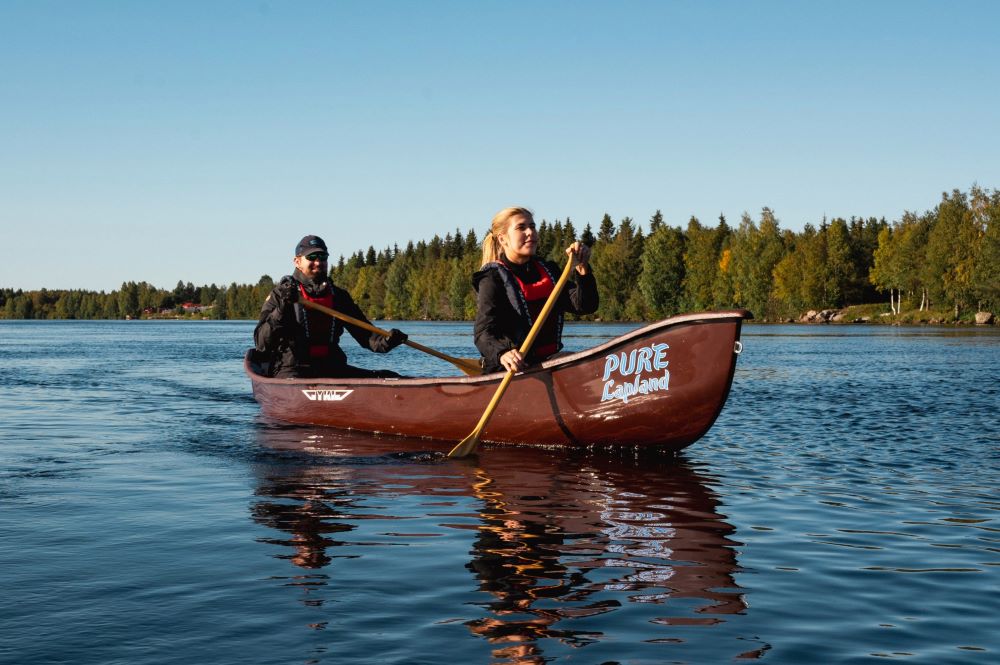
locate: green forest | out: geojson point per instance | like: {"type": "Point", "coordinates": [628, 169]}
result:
{"type": "Point", "coordinates": [941, 265]}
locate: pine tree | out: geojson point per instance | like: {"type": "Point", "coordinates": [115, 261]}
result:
{"type": "Point", "coordinates": [569, 232]}
{"type": "Point", "coordinates": [663, 271]}
{"type": "Point", "coordinates": [986, 268]}
{"type": "Point", "coordinates": [471, 244]}
{"type": "Point", "coordinates": [950, 252]}
{"type": "Point", "coordinates": [397, 289]}
{"type": "Point", "coordinates": [655, 222]}
{"type": "Point", "coordinates": [606, 232]}
{"type": "Point", "coordinates": [701, 259]}
{"type": "Point", "coordinates": [545, 240]}
{"type": "Point", "coordinates": [722, 288]}
{"type": "Point", "coordinates": [755, 253]}
{"type": "Point", "coordinates": [839, 267]}
{"type": "Point", "coordinates": [618, 266]}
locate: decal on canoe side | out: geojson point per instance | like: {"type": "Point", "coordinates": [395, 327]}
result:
{"type": "Point", "coordinates": [641, 371]}
{"type": "Point", "coordinates": [326, 395]}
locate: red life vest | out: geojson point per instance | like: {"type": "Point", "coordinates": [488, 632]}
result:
{"type": "Point", "coordinates": [319, 327]}
{"type": "Point", "coordinates": [535, 295]}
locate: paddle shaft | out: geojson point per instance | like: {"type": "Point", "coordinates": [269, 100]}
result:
{"type": "Point", "coordinates": [470, 367]}
{"type": "Point", "coordinates": [468, 445]}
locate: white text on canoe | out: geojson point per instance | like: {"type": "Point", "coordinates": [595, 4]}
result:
{"type": "Point", "coordinates": [637, 372]}
{"type": "Point", "coordinates": [326, 395]}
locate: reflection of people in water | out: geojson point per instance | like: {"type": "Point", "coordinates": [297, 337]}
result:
{"type": "Point", "coordinates": [303, 511]}
{"type": "Point", "coordinates": [545, 549]}
{"type": "Point", "coordinates": [560, 537]}
{"type": "Point", "coordinates": [518, 562]}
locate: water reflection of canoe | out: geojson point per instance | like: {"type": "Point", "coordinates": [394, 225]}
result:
{"type": "Point", "coordinates": [662, 385]}
{"type": "Point", "coordinates": [556, 537]}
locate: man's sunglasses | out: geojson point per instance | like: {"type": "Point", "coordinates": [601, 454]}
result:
{"type": "Point", "coordinates": [317, 256]}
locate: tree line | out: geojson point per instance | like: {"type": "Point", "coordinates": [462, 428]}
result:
{"type": "Point", "coordinates": [947, 258]}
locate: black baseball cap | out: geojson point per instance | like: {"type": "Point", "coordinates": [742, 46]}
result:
{"type": "Point", "coordinates": [310, 244]}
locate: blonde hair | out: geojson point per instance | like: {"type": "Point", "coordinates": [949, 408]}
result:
{"type": "Point", "coordinates": [492, 250]}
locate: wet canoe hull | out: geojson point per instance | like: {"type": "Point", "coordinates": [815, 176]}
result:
{"type": "Point", "coordinates": [662, 385]}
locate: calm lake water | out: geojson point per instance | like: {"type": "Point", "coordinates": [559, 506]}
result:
{"type": "Point", "coordinates": [843, 509]}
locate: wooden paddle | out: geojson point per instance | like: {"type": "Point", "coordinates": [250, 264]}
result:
{"type": "Point", "coordinates": [468, 445]}
{"type": "Point", "coordinates": [468, 365]}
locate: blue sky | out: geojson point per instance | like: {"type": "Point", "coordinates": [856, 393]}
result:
{"type": "Point", "coordinates": [197, 141]}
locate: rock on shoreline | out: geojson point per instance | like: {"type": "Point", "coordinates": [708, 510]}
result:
{"type": "Point", "coordinates": [829, 316]}
{"type": "Point", "coordinates": [839, 316]}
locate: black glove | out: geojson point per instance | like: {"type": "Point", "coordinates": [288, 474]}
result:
{"type": "Point", "coordinates": [288, 293]}
{"type": "Point", "coordinates": [396, 337]}
{"type": "Point", "coordinates": [379, 343]}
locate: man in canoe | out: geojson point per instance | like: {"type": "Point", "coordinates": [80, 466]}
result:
{"type": "Point", "coordinates": [512, 287]}
{"type": "Point", "coordinates": [303, 342]}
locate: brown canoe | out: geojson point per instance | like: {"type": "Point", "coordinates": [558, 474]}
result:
{"type": "Point", "coordinates": [661, 386]}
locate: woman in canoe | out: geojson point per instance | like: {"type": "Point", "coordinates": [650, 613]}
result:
{"type": "Point", "coordinates": [512, 286]}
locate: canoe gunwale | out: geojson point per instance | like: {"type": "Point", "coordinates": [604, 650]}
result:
{"type": "Point", "coordinates": [550, 365]}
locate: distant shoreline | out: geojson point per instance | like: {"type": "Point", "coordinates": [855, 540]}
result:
{"type": "Point", "coordinates": [906, 319]}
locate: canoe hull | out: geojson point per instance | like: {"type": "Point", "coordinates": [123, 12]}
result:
{"type": "Point", "coordinates": [662, 386]}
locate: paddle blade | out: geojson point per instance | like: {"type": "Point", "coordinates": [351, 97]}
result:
{"type": "Point", "coordinates": [466, 446]}
{"type": "Point", "coordinates": [469, 366]}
